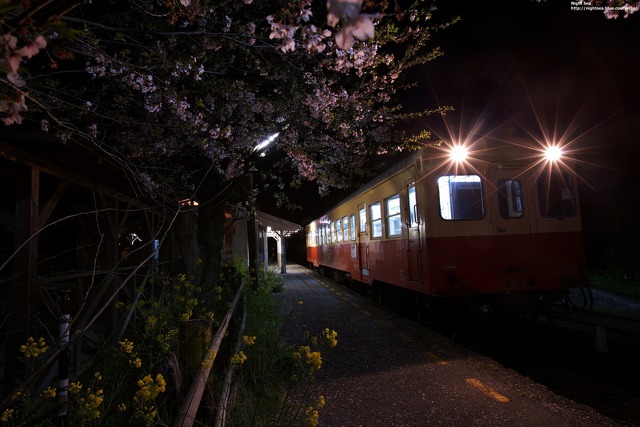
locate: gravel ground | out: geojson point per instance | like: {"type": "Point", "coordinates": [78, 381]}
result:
{"type": "Point", "coordinates": [389, 371]}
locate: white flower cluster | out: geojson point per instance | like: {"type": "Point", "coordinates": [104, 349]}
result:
{"type": "Point", "coordinates": [189, 69]}
{"type": "Point", "coordinates": [104, 67]}
{"type": "Point", "coordinates": [354, 23]}
{"type": "Point", "coordinates": [284, 33]}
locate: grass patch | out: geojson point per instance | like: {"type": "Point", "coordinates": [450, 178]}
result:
{"type": "Point", "coordinates": [616, 284]}
{"type": "Point", "coordinates": [271, 386]}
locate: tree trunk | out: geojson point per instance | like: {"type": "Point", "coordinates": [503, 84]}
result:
{"type": "Point", "coordinates": [211, 238]}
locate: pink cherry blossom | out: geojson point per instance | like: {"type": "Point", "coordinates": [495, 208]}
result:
{"type": "Point", "coordinates": [354, 23]}
{"type": "Point", "coordinates": [12, 108]}
{"type": "Point", "coordinates": [31, 49]}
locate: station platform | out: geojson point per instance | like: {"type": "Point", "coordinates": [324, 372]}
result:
{"type": "Point", "coordinates": [389, 371]}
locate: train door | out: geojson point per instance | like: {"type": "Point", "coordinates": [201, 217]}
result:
{"type": "Point", "coordinates": [510, 222]}
{"type": "Point", "coordinates": [414, 241]}
{"type": "Point", "coordinates": [363, 247]}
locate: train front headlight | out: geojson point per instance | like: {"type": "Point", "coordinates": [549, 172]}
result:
{"type": "Point", "coordinates": [553, 153]}
{"type": "Point", "coordinates": [458, 153]}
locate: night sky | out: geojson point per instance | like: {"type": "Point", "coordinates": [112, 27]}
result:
{"type": "Point", "coordinates": [519, 67]}
{"type": "Point", "coordinates": [503, 52]}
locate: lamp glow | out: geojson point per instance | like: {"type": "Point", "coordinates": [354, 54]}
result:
{"type": "Point", "coordinates": [458, 153]}
{"type": "Point", "coordinates": [265, 142]}
{"type": "Point", "coordinates": [553, 153]}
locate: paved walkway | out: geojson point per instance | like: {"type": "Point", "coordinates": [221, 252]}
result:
{"type": "Point", "coordinates": [389, 371]}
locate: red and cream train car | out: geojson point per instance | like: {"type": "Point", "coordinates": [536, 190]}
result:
{"type": "Point", "coordinates": [501, 220]}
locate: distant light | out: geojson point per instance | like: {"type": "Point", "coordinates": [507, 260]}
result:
{"type": "Point", "coordinates": [188, 202]}
{"type": "Point", "coordinates": [264, 143]}
{"type": "Point", "coordinates": [553, 153]}
{"type": "Point", "coordinates": [133, 237]}
{"type": "Point", "coordinates": [458, 153]}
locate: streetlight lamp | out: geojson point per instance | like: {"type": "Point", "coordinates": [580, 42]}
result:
{"type": "Point", "coordinates": [259, 148]}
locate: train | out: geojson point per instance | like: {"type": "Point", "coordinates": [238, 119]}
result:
{"type": "Point", "coordinates": [468, 222]}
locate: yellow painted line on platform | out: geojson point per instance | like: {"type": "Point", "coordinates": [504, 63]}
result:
{"type": "Point", "coordinates": [354, 305]}
{"type": "Point", "coordinates": [487, 390]}
{"type": "Point", "coordinates": [367, 313]}
{"type": "Point", "coordinates": [437, 358]}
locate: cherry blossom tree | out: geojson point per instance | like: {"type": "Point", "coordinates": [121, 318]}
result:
{"type": "Point", "coordinates": [179, 92]}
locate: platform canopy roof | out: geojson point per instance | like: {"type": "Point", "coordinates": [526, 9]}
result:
{"type": "Point", "coordinates": [278, 225]}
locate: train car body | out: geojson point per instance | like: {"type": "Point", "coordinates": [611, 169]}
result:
{"type": "Point", "coordinates": [503, 220]}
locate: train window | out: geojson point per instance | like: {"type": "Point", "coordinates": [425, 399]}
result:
{"type": "Point", "coordinates": [510, 202]}
{"type": "Point", "coordinates": [460, 197]}
{"type": "Point", "coordinates": [394, 222]}
{"type": "Point", "coordinates": [556, 194]}
{"type": "Point", "coordinates": [327, 234]}
{"type": "Point", "coordinates": [332, 226]}
{"type": "Point", "coordinates": [352, 221]}
{"type": "Point", "coordinates": [362, 214]}
{"type": "Point", "coordinates": [345, 228]}
{"type": "Point", "coordinates": [413, 205]}
{"type": "Point", "coordinates": [338, 231]}
{"type": "Point", "coordinates": [376, 220]}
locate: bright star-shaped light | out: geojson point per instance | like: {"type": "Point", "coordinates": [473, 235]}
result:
{"type": "Point", "coordinates": [458, 153]}
{"type": "Point", "coordinates": [553, 153]}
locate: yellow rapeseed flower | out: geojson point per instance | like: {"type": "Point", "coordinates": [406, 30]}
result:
{"type": "Point", "coordinates": [313, 417]}
{"type": "Point", "coordinates": [150, 322]}
{"type": "Point", "coordinates": [49, 393]}
{"type": "Point", "coordinates": [34, 348]}
{"type": "Point", "coordinates": [97, 376]}
{"type": "Point", "coordinates": [150, 389]}
{"type": "Point", "coordinates": [7, 415]}
{"type": "Point", "coordinates": [75, 387]}
{"type": "Point", "coordinates": [238, 359]}
{"type": "Point", "coordinates": [331, 337]}
{"type": "Point", "coordinates": [312, 358]}
{"type": "Point", "coordinates": [122, 407]}
{"type": "Point", "coordinates": [126, 346]}
{"type": "Point", "coordinates": [247, 340]}
{"type": "Point", "coordinates": [321, 402]}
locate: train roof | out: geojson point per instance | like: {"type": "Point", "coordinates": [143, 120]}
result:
{"type": "Point", "coordinates": [486, 150]}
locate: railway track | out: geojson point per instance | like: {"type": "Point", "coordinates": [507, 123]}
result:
{"type": "Point", "coordinates": [604, 326]}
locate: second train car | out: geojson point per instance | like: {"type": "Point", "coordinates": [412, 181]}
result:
{"type": "Point", "coordinates": [452, 223]}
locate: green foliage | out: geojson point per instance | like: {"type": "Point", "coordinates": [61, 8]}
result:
{"type": "Point", "coordinates": [621, 268]}
{"type": "Point", "coordinates": [271, 280]}
{"type": "Point", "coordinates": [125, 385]}
{"type": "Point", "coordinates": [273, 382]}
